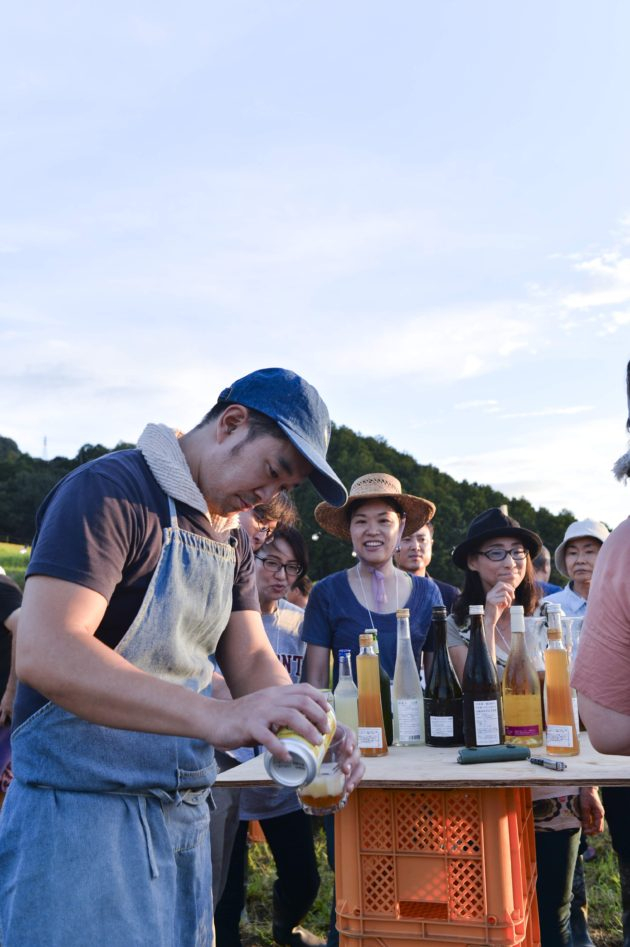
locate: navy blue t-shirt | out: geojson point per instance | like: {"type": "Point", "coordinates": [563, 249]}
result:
{"type": "Point", "coordinates": [102, 526]}
{"type": "Point", "coordinates": [334, 619]}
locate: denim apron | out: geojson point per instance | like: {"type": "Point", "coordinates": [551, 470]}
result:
{"type": "Point", "coordinates": [105, 834]}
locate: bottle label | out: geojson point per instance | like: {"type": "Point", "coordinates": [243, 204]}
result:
{"type": "Point", "coordinates": [533, 731]}
{"type": "Point", "coordinates": [559, 736]}
{"type": "Point", "coordinates": [408, 720]}
{"type": "Point", "coordinates": [441, 726]}
{"type": "Point", "coordinates": [487, 722]}
{"type": "Point", "coordinates": [370, 738]}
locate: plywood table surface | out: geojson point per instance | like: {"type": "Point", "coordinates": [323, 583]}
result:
{"type": "Point", "coordinates": [428, 767]}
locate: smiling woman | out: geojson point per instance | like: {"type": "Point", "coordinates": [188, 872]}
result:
{"type": "Point", "coordinates": [343, 605]}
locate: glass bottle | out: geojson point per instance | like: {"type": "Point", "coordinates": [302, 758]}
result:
{"type": "Point", "coordinates": [443, 701]}
{"type": "Point", "coordinates": [346, 694]}
{"type": "Point", "coordinates": [372, 741]}
{"type": "Point", "coordinates": [522, 710]}
{"type": "Point", "coordinates": [483, 714]}
{"type": "Point", "coordinates": [386, 692]}
{"type": "Point", "coordinates": [562, 739]}
{"type": "Point", "coordinates": [407, 690]}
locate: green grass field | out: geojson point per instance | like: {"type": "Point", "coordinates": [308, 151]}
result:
{"type": "Point", "coordinates": [601, 874]}
{"type": "Point", "coordinates": [602, 880]}
{"type": "Point", "coordinates": [14, 561]}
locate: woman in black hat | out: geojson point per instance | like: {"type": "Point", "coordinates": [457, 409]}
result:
{"type": "Point", "coordinates": [496, 557]}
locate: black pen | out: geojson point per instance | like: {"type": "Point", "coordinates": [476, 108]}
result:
{"type": "Point", "coordinates": [548, 764]}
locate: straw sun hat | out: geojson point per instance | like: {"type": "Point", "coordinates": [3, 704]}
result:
{"type": "Point", "coordinates": [374, 486]}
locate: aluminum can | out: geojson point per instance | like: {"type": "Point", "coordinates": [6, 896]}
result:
{"type": "Point", "coordinates": [305, 760]}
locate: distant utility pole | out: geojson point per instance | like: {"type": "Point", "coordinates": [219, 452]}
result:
{"type": "Point", "coordinates": [45, 452]}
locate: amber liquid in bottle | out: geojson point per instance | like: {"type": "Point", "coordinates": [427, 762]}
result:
{"type": "Point", "coordinates": [562, 738]}
{"type": "Point", "coordinates": [522, 714]}
{"type": "Point", "coordinates": [386, 694]}
{"type": "Point", "coordinates": [372, 740]}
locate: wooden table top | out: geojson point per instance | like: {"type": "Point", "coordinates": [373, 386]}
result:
{"type": "Point", "coordinates": [430, 767]}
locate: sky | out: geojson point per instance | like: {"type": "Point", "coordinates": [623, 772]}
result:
{"type": "Point", "coordinates": [422, 207]}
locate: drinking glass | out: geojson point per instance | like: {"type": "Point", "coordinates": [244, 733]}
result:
{"type": "Point", "coordinates": [536, 641]}
{"type": "Point", "coordinates": [326, 794]}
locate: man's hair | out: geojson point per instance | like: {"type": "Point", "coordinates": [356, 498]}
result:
{"type": "Point", "coordinates": [304, 585]}
{"type": "Point", "coordinates": [281, 510]}
{"type": "Point", "coordinates": [295, 540]}
{"type": "Point", "coordinates": [540, 561]}
{"type": "Point", "coordinates": [259, 424]}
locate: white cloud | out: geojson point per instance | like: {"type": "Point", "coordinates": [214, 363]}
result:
{"type": "Point", "coordinates": [612, 272]}
{"type": "Point", "coordinates": [548, 412]}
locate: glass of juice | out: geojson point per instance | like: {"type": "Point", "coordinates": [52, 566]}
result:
{"type": "Point", "coordinates": [326, 794]}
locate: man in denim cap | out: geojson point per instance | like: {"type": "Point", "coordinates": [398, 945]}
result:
{"type": "Point", "coordinates": [137, 576]}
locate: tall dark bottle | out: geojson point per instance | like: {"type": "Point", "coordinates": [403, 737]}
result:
{"type": "Point", "coordinates": [483, 713]}
{"type": "Point", "coordinates": [386, 693]}
{"type": "Point", "coordinates": [443, 700]}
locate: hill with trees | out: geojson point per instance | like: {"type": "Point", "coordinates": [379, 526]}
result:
{"type": "Point", "coordinates": [25, 481]}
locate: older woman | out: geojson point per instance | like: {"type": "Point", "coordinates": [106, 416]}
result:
{"type": "Point", "coordinates": [575, 557]}
{"type": "Point", "coordinates": [374, 518]}
{"type": "Point", "coordinates": [496, 559]}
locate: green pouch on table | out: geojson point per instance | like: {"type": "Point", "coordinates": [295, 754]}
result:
{"type": "Point", "coordinates": [493, 754]}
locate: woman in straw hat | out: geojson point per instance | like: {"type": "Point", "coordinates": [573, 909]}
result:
{"type": "Point", "coordinates": [374, 518]}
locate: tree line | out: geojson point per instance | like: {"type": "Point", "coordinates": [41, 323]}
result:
{"type": "Point", "coordinates": [25, 481]}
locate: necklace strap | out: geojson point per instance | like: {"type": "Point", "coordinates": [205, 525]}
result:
{"type": "Point", "coordinates": [375, 581]}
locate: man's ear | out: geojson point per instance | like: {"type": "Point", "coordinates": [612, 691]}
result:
{"type": "Point", "coordinates": [234, 417]}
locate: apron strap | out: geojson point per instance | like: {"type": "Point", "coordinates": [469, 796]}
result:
{"type": "Point", "coordinates": [142, 811]}
{"type": "Point", "coordinates": [172, 512]}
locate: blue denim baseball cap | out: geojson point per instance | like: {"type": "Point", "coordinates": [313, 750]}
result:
{"type": "Point", "coordinates": [300, 413]}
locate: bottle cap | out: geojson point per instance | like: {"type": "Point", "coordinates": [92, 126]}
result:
{"type": "Point", "coordinates": [366, 640]}
{"type": "Point", "coordinates": [402, 613]}
{"type": "Point", "coordinates": [343, 651]}
{"type": "Point", "coordinates": [475, 609]}
{"type": "Point", "coordinates": [439, 611]}
{"type": "Point", "coordinates": [517, 618]}
{"type": "Point", "coordinates": [553, 607]}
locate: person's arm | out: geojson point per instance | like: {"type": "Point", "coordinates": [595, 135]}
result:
{"type": "Point", "coordinates": [458, 654]}
{"type": "Point", "coordinates": [58, 655]}
{"type": "Point", "coordinates": [591, 811]}
{"type": "Point", "coordinates": [8, 698]}
{"type": "Point", "coordinates": [500, 597]}
{"type": "Point", "coordinates": [316, 669]}
{"type": "Point", "coordinates": [608, 730]}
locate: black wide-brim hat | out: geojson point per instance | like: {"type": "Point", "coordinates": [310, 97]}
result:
{"type": "Point", "coordinates": [488, 525]}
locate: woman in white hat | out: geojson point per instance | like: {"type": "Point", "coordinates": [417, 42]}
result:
{"type": "Point", "coordinates": [374, 518]}
{"type": "Point", "coordinates": [575, 557]}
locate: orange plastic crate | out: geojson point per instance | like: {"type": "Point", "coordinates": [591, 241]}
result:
{"type": "Point", "coordinates": [437, 866]}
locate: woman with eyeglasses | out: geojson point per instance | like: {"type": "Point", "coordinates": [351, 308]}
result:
{"type": "Point", "coordinates": [286, 827]}
{"type": "Point", "coordinates": [496, 558]}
